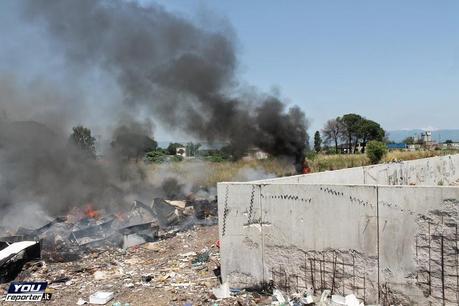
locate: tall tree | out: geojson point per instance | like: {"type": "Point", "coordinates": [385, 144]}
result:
{"type": "Point", "coordinates": [332, 132]}
{"type": "Point", "coordinates": [370, 130]}
{"type": "Point", "coordinates": [192, 148]}
{"type": "Point", "coordinates": [356, 130]}
{"type": "Point", "coordinates": [317, 142]}
{"type": "Point", "coordinates": [82, 139]}
{"type": "Point", "coordinates": [351, 129]}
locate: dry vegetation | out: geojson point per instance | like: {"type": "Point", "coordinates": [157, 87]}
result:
{"type": "Point", "coordinates": [340, 161]}
{"type": "Point", "coordinates": [205, 173]}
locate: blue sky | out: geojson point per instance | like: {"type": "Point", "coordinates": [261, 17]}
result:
{"type": "Point", "coordinates": [396, 62]}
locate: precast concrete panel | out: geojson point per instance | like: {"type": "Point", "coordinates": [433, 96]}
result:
{"type": "Point", "coordinates": [321, 237]}
{"type": "Point", "coordinates": [240, 234]}
{"type": "Point", "coordinates": [418, 234]}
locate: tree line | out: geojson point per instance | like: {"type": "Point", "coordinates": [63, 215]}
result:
{"type": "Point", "coordinates": [137, 146]}
{"type": "Point", "coordinates": [351, 130]}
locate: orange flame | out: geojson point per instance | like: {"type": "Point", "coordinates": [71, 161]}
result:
{"type": "Point", "coordinates": [90, 212]}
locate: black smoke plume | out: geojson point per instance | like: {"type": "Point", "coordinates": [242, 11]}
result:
{"type": "Point", "coordinates": [163, 67]}
{"type": "Point", "coordinates": [182, 74]}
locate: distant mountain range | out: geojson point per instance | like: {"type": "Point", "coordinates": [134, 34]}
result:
{"type": "Point", "coordinates": [438, 135]}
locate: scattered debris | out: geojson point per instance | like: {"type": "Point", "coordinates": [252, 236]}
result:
{"type": "Point", "coordinates": [201, 258]}
{"type": "Point", "coordinates": [166, 213]}
{"type": "Point", "coordinates": [139, 234]}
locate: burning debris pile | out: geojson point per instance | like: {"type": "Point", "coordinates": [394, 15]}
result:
{"type": "Point", "coordinates": [68, 238]}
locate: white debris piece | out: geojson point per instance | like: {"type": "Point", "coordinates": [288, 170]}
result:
{"type": "Point", "coordinates": [188, 254]}
{"type": "Point", "coordinates": [101, 297]}
{"type": "Point", "coordinates": [308, 299]}
{"type": "Point", "coordinates": [100, 275]}
{"type": "Point", "coordinates": [338, 300]}
{"type": "Point", "coordinates": [15, 248]}
{"type": "Point", "coordinates": [179, 204]}
{"type": "Point", "coordinates": [351, 300]}
{"type": "Point", "coordinates": [348, 300]}
{"type": "Point", "coordinates": [222, 292]}
{"type": "Point", "coordinates": [279, 297]}
{"type": "Point", "coordinates": [81, 302]}
{"type": "Point", "coordinates": [324, 297]}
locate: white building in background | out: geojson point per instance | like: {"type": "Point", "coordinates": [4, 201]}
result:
{"type": "Point", "coordinates": [426, 137]}
{"type": "Point", "coordinates": [181, 151]}
{"type": "Point", "coordinates": [450, 145]}
{"type": "Point", "coordinates": [255, 154]}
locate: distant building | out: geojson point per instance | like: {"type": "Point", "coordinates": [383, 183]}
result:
{"type": "Point", "coordinates": [414, 147]}
{"type": "Point", "coordinates": [255, 154]}
{"type": "Point", "coordinates": [180, 151]}
{"type": "Point", "coordinates": [450, 145]}
{"type": "Point", "coordinates": [343, 148]}
{"type": "Point", "coordinates": [426, 138]}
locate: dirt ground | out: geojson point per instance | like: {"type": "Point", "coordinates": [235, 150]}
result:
{"type": "Point", "coordinates": [173, 271]}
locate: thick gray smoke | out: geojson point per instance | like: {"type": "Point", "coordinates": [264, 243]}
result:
{"type": "Point", "coordinates": [38, 164]}
{"type": "Point", "coordinates": [182, 74]}
{"type": "Point", "coordinates": [163, 67]}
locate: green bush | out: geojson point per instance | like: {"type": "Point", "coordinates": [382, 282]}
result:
{"type": "Point", "coordinates": [176, 158]}
{"type": "Point", "coordinates": [217, 158]}
{"type": "Point", "coordinates": [376, 151]}
{"type": "Point", "coordinates": [156, 157]}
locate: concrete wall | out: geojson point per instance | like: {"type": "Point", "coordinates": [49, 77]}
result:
{"type": "Point", "coordinates": [440, 170]}
{"type": "Point", "coordinates": [386, 244]}
{"type": "Point", "coordinates": [418, 245]}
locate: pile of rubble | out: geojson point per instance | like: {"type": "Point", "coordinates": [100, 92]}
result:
{"type": "Point", "coordinates": [68, 238]}
{"type": "Point", "coordinates": [181, 268]}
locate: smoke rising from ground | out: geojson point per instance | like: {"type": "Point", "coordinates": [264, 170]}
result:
{"type": "Point", "coordinates": [122, 68]}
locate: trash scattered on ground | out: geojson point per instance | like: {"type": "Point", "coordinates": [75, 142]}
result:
{"type": "Point", "coordinates": [201, 258]}
{"type": "Point", "coordinates": [180, 268]}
